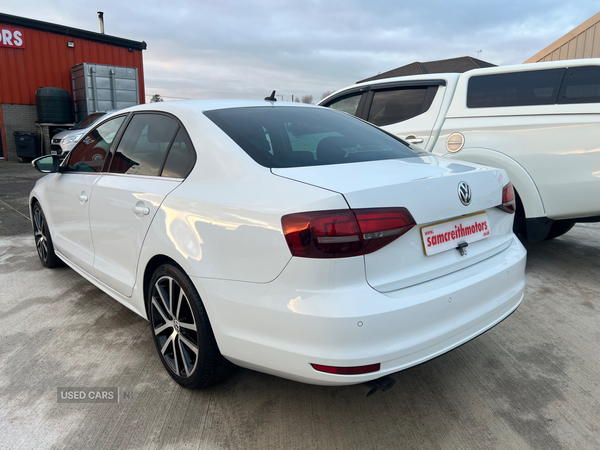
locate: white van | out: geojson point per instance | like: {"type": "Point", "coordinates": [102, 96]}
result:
{"type": "Point", "coordinates": [540, 122]}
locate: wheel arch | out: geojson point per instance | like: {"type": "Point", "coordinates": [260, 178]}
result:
{"type": "Point", "coordinates": [154, 263]}
{"type": "Point", "coordinates": [32, 201]}
{"type": "Point", "coordinates": [520, 178]}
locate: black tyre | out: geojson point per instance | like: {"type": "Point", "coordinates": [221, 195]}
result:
{"type": "Point", "coordinates": [558, 229]}
{"type": "Point", "coordinates": [43, 240]}
{"type": "Point", "coordinates": [181, 330]}
{"type": "Point", "coordinates": [519, 224]}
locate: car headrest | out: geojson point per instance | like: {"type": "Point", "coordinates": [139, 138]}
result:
{"type": "Point", "coordinates": [332, 148]}
{"type": "Point", "coordinates": [159, 134]}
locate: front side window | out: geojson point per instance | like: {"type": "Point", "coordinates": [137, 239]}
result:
{"type": "Point", "coordinates": [144, 144]}
{"type": "Point", "coordinates": [91, 152]}
{"type": "Point", "coordinates": [347, 104]}
{"type": "Point", "coordinates": [534, 87]}
{"type": "Point", "coordinates": [88, 121]}
{"type": "Point", "coordinates": [397, 105]}
{"type": "Point", "coordinates": [286, 136]}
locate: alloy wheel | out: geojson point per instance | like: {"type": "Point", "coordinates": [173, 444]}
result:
{"type": "Point", "coordinates": [174, 326]}
{"type": "Point", "coordinates": [40, 231]}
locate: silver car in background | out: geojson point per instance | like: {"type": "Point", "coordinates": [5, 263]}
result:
{"type": "Point", "coordinates": [63, 142]}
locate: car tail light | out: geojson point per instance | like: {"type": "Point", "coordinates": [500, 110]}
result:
{"type": "Point", "coordinates": [344, 233]}
{"type": "Point", "coordinates": [356, 370]}
{"type": "Point", "coordinates": [380, 226]}
{"type": "Point", "coordinates": [509, 203]}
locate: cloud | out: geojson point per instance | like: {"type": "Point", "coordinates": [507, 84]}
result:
{"type": "Point", "coordinates": [230, 48]}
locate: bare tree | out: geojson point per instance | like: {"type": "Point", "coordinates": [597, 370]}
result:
{"type": "Point", "coordinates": [326, 94]}
{"type": "Point", "coordinates": [156, 98]}
{"type": "Point", "coordinates": [297, 100]}
{"type": "Point", "coordinates": [307, 99]}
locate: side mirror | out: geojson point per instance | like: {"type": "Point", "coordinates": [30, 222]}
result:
{"type": "Point", "coordinates": [47, 164]}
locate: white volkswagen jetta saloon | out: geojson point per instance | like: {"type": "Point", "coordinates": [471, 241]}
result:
{"type": "Point", "coordinates": [290, 239]}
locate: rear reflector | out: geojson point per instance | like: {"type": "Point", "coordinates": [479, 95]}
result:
{"type": "Point", "coordinates": [357, 370]}
{"type": "Point", "coordinates": [508, 199]}
{"type": "Point", "coordinates": [344, 233]}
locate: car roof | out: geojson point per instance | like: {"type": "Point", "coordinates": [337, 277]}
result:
{"type": "Point", "coordinates": [200, 106]}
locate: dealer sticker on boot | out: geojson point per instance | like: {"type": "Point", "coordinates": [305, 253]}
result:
{"type": "Point", "coordinates": [444, 236]}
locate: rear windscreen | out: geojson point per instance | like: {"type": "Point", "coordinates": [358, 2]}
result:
{"type": "Point", "coordinates": [282, 136]}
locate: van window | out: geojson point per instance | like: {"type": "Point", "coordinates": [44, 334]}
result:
{"type": "Point", "coordinates": [581, 85]}
{"type": "Point", "coordinates": [534, 87]}
{"type": "Point", "coordinates": [347, 104]}
{"type": "Point", "coordinates": [396, 105]}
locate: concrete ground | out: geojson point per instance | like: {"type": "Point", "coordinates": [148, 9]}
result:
{"type": "Point", "coordinates": [531, 382]}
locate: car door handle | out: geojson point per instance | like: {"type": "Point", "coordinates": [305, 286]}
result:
{"type": "Point", "coordinates": [141, 210]}
{"type": "Point", "coordinates": [83, 198]}
{"type": "Point", "coordinates": [413, 139]}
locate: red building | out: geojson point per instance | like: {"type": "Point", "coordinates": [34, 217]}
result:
{"type": "Point", "coordinates": [36, 54]}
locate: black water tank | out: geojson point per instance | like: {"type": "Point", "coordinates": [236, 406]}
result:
{"type": "Point", "coordinates": [54, 105]}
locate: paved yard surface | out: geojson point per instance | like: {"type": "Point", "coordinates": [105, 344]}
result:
{"type": "Point", "coordinates": [531, 382]}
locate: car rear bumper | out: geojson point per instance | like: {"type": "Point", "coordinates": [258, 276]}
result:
{"type": "Point", "coordinates": [281, 328]}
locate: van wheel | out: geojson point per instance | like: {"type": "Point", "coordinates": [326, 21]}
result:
{"type": "Point", "coordinates": [181, 330]}
{"type": "Point", "coordinates": [558, 229]}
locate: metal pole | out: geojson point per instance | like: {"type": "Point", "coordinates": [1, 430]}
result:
{"type": "Point", "coordinates": [101, 21]}
{"type": "Point", "coordinates": [94, 88]}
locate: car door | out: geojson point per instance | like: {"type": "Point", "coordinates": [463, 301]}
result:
{"type": "Point", "coordinates": [408, 111]}
{"type": "Point", "coordinates": [127, 197]}
{"type": "Point", "coordinates": [70, 191]}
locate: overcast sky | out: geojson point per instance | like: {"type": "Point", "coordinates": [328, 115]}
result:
{"type": "Point", "coordinates": [245, 49]}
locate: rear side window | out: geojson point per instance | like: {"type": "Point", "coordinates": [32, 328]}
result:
{"type": "Point", "coordinates": [347, 104]}
{"type": "Point", "coordinates": [144, 144]}
{"type": "Point", "coordinates": [397, 105]}
{"type": "Point", "coordinates": [581, 85]}
{"type": "Point", "coordinates": [285, 136]}
{"type": "Point", "coordinates": [535, 87]}
{"type": "Point", "coordinates": [181, 157]}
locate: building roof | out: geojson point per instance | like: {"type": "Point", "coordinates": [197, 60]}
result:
{"type": "Point", "coordinates": [581, 42]}
{"type": "Point", "coordinates": [68, 31]}
{"type": "Point", "coordinates": [452, 65]}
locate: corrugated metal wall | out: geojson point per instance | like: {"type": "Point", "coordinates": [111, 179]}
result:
{"type": "Point", "coordinates": [47, 61]}
{"type": "Point", "coordinates": [582, 42]}
{"type": "Point", "coordinates": [585, 45]}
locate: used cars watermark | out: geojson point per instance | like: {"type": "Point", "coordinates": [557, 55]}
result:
{"type": "Point", "coordinates": [95, 395]}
